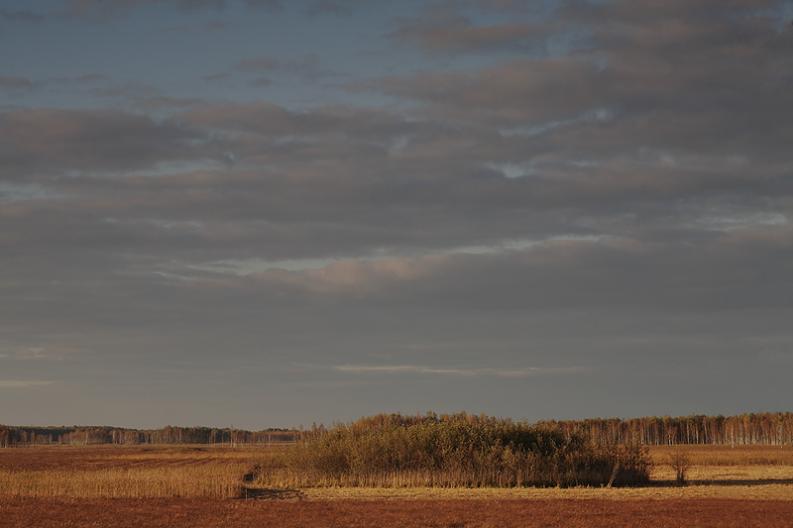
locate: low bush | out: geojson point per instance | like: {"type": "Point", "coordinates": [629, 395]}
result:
{"type": "Point", "coordinates": [680, 462]}
{"type": "Point", "coordinates": [458, 450]}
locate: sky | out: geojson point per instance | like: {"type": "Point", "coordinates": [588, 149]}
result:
{"type": "Point", "coordinates": [268, 213]}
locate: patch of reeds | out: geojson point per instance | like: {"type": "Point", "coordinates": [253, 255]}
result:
{"type": "Point", "coordinates": [451, 451]}
{"type": "Point", "coordinates": [196, 480]}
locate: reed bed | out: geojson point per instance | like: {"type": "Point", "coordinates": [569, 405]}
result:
{"type": "Point", "coordinates": [390, 453]}
{"type": "Point", "coordinates": [217, 481]}
{"type": "Point", "coordinates": [287, 478]}
{"type": "Point", "coordinates": [450, 451]}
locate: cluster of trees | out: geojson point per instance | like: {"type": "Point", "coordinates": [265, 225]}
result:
{"type": "Point", "coordinates": [743, 429]}
{"type": "Point", "coordinates": [13, 436]}
{"type": "Point", "coordinates": [458, 450]}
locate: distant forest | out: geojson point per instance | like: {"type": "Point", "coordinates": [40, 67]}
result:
{"type": "Point", "coordinates": [84, 435]}
{"type": "Point", "coordinates": [743, 429]}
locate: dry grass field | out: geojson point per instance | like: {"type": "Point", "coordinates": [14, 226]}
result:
{"type": "Point", "coordinates": [711, 455]}
{"type": "Point", "coordinates": [213, 486]}
{"type": "Point", "coordinates": [127, 472]}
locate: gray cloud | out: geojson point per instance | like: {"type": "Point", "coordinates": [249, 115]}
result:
{"type": "Point", "coordinates": [217, 77]}
{"type": "Point", "coordinates": [679, 57]}
{"type": "Point", "coordinates": [22, 384]}
{"type": "Point", "coordinates": [269, 5]}
{"type": "Point", "coordinates": [517, 92]}
{"type": "Point", "coordinates": [85, 78]}
{"type": "Point", "coordinates": [128, 90]}
{"type": "Point", "coordinates": [622, 206]}
{"type": "Point", "coordinates": [40, 141]}
{"type": "Point", "coordinates": [16, 85]}
{"type": "Point", "coordinates": [94, 8]}
{"type": "Point", "coordinates": [20, 15]}
{"type": "Point", "coordinates": [10, 84]}
{"type": "Point", "coordinates": [307, 67]}
{"type": "Point", "coordinates": [261, 82]}
{"type": "Point", "coordinates": [519, 372]}
{"type": "Point", "coordinates": [446, 32]}
{"type": "Point", "coordinates": [333, 7]}
{"type": "Point", "coordinates": [102, 10]}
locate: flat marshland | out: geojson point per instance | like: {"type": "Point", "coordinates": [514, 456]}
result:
{"type": "Point", "coordinates": [127, 472]}
{"type": "Point", "coordinates": [199, 486]}
{"type": "Point", "coordinates": [724, 455]}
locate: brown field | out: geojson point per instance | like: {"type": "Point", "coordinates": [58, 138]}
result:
{"type": "Point", "coordinates": [199, 486]}
{"type": "Point", "coordinates": [709, 455]}
{"type": "Point", "coordinates": [162, 513]}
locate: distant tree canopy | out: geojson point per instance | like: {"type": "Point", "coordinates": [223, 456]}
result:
{"type": "Point", "coordinates": [743, 429]}
{"type": "Point", "coordinates": [84, 435]}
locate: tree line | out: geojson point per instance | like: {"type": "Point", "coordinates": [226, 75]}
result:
{"type": "Point", "coordinates": [742, 429]}
{"type": "Point", "coordinates": [81, 435]}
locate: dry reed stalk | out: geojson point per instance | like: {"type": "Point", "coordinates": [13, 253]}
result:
{"type": "Point", "coordinates": [204, 480]}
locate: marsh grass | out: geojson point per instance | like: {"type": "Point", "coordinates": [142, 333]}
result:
{"type": "Point", "coordinates": [220, 473]}
{"type": "Point", "coordinates": [219, 480]}
{"type": "Point", "coordinates": [450, 451]}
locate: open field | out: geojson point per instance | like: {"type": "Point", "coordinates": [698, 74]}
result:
{"type": "Point", "coordinates": [162, 513]}
{"type": "Point", "coordinates": [720, 455]}
{"type": "Point", "coordinates": [124, 457]}
{"type": "Point", "coordinates": [201, 486]}
{"type": "Point", "coordinates": [126, 472]}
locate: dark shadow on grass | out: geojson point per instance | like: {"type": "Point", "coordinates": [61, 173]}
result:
{"type": "Point", "coordinates": [718, 482]}
{"type": "Point", "coordinates": [250, 491]}
{"type": "Point", "coordinates": [272, 494]}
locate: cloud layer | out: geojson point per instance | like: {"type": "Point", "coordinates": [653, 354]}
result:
{"type": "Point", "coordinates": [603, 190]}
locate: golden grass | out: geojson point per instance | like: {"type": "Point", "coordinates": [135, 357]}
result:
{"type": "Point", "coordinates": [753, 472]}
{"type": "Point", "coordinates": [283, 478]}
{"type": "Point", "coordinates": [706, 455]}
{"type": "Point", "coordinates": [726, 474]}
{"type": "Point", "coordinates": [191, 456]}
{"type": "Point", "coordinates": [745, 492]}
{"type": "Point", "coordinates": [660, 475]}
{"type": "Point", "coordinates": [211, 481]}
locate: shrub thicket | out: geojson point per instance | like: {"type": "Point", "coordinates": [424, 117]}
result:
{"type": "Point", "coordinates": [452, 451]}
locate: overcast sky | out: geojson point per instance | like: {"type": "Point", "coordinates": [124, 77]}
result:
{"type": "Point", "coordinates": [270, 213]}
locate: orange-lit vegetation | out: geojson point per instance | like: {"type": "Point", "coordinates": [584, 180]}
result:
{"type": "Point", "coordinates": [452, 451]}
{"type": "Point", "coordinates": [414, 457]}
{"type": "Point", "coordinates": [174, 468]}
{"type": "Point", "coordinates": [713, 455]}
{"type": "Point", "coordinates": [75, 435]}
{"type": "Point", "coordinates": [743, 429]}
{"type": "Point", "coordinates": [218, 481]}
{"type": "Point", "coordinates": [113, 472]}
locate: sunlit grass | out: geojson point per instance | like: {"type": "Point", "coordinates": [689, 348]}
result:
{"type": "Point", "coordinates": [749, 472]}
{"type": "Point", "coordinates": [710, 455]}
{"type": "Point", "coordinates": [217, 481]}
